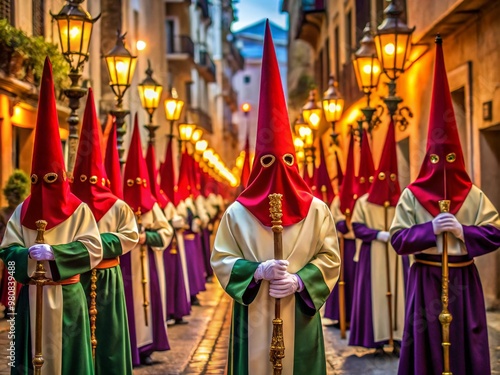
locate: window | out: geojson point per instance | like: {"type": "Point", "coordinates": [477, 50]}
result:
{"type": "Point", "coordinates": [170, 35]}
{"type": "Point", "coordinates": [38, 17]}
{"type": "Point", "coordinates": [348, 32]}
{"type": "Point", "coordinates": [7, 10]}
{"type": "Point", "coordinates": [337, 53]}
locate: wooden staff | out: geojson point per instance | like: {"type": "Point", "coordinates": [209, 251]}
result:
{"type": "Point", "coordinates": [277, 351]}
{"type": "Point", "coordinates": [388, 274]}
{"type": "Point", "coordinates": [39, 280]}
{"type": "Point", "coordinates": [342, 307]}
{"type": "Point", "coordinates": [93, 311]}
{"type": "Point", "coordinates": [145, 302]}
{"type": "Point", "coordinates": [445, 317]}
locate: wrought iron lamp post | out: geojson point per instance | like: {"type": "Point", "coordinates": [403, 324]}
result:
{"type": "Point", "coordinates": [393, 43]}
{"type": "Point", "coordinates": [75, 30]}
{"type": "Point", "coordinates": [333, 106]}
{"type": "Point", "coordinates": [150, 94]}
{"type": "Point", "coordinates": [121, 66]}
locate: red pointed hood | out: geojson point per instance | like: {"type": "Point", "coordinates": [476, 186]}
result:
{"type": "Point", "coordinates": [194, 177]}
{"type": "Point", "coordinates": [444, 158]}
{"type": "Point", "coordinates": [347, 194]}
{"type": "Point", "coordinates": [136, 185]}
{"type": "Point", "coordinates": [245, 170]}
{"type": "Point", "coordinates": [112, 164]}
{"type": "Point", "coordinates": [275, 165]}
{"type": "Point", "coordinates": [385, 186]}
{"type": "Point", "coordinates": [50, 199]}
{"type": "Point", "coordinates": [89, 176]}
{"type": "Point", "coordinates": [183, 187]}
{"type": "Point", "coordinates": [323, 183]}
{"type": "Point", "coordinates": [167, 174]}
{"type": "Point", "coordinates": [340, 174]}
{"type": "Point", "coordinates": [160, 196]}
{"type": "Point", "coordinates": [366, 167]}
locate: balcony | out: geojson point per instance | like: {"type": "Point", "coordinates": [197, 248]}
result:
{"type": "Point", "coordinates": [206, 66]}
{"type": "Point", "coordinates": [202, 119]}
{"type": "Point", "coordinates": [180, 47]}
{"type": "Point", "coordinates": [231, 98]}
{"type": "Point", "coordinates": [311, 18]}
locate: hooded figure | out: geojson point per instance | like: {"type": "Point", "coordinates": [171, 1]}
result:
{"type": "Point", "coordinates": [341, 208]}
{"type": "Point", "coordinates": [243, 257]}
{"type": "Point", "coordinates": [72, 245]}
{"type": "Point", "coordinates": [323, 183]}
{"type": "Point", "coordinates": [148, 327]}
{"type": "Point", "coordinates": [119, 235]}
{"type": "Point", "coordinates": [112, 164]}
{"type": "Point", "coordinates": [366, 167]}
{"type": "Point", "coordinates": [370, 326]}
{"type": "Point", "coordinates": [174, 257]}
{"type": "Point", "coordinates": [473, 228]}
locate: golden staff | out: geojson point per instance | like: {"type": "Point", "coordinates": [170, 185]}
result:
{"type": "Point", "coordinates": [388, 274]}
{"type": "Point", "coordinates": [39, 280]}
{"type": "Point", "coordinates": [445, 317]}
{"type": "Point", "coordinates": [342, 307]}
{"type": "Point", "coordinates": [93, 311]}
{"type": "Point", "coordinates": [277, 351]}
{"type": "Point", "coordinates": [145, 302]}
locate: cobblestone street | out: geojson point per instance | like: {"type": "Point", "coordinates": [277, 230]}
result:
{"type": "Point", "coordinates": [199, 348]}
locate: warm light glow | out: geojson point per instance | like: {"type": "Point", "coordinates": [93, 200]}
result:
{"type": "Point", "coordinates": [300, 155]}
{"type": "Point", "coordinates": [304, 131]}
{"type": "Point", "coordinates": [208, 154]}
{"type": "Point", "coordinates": [389, 49]}
{"type": "Point", "coordinates": [367, 69]}
{"type": "Point", "coordinates": [173, 108]}
{"type": "Point", "coordinates": [140, 45]}
{"type": "Point", "coordinates": [74, 37]}
{"type": "Point", "coordinates": [121, 70]}
{"type": "Point", "coordinates": [201, 146]}
{"type": "Point", "coordinates": [186, 131]}
{"type": "Point", "coordinates": [74, 32]}
{"type": "Point", "coordinates": [245, 107]}
{"type": "Point", "coordinates": [197, 133]}
{"type": "Point", "coordinates": [240, 160]}
{"type": "Point", "coordinates": [298, 143]}
{"type": "Point", "coordinates": [17, 111]}
{"type": "Point", "coordinates": [314, 120]}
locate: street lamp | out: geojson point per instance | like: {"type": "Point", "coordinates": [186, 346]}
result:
{"type": "Point", "coordinates": [121, 67]}
{"type": "Point", "coordinates": [305, 133]}
{"type": "Point", "coordinates": [368, 71]}
{"type": "Point", "coordinates": [393, 43]}
{"type": "Point", "coordinates": [333, 106]}
{"type": "Point", "coordinates": [74, 25]}
{"type": "Point", "coordinates": [173, 108]}
{"type": "Point", "coordinates": [311, 111]}
{"type": "Point", "coordinates": [150, 93]}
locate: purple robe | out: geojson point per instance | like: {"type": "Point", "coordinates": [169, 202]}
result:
{"type": "Point", "coordinates": [205, 236]}
{"type": "Point", "coordinates": [178, 305]}
{"type": "Point", "coordinates": [195, 263]}
{"type": "Point", "coordinates": [421, 350]}
{"type": "Point", "coordinates": [332, 303]}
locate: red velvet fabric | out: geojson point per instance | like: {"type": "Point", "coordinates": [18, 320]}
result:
{"type": "Point", "coordinates": [52, 202]}
{"type": "Point", "coordinates": [385, 186]}
{"type": "Point", "coordinates": [112, 164]}
{"type": "Point", "coordinates": [442, 180]}
{"type": "Point", "coordinates": [245, 170]}
{"type": "Point", "coordinates": [183, 187]}
{"type": "Point", "coordinates": [136, 184]}
{"type": "Point", "coordinates": [366, 167]}
{"type": "Point", "coordinates": [160, 196]}
{"type": "Point", "coordinates": [89, 165]}
{"type": "Point", "coordinates": [347, 194]}
{"type": "Point", "coordinates": [323, 180]}
{"type": "Point", "coordinates": [167, 175]}
{"type": "Point", "coordinates": [274, 138]}
{"type": "Point", "coordinates": [340, 174]}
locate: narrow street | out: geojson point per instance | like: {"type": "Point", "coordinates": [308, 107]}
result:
{"type": "Point", "coordinates": [199, 348]}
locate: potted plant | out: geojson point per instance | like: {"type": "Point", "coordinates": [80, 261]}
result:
{"type": "Point", "coordinates": [12, 49]}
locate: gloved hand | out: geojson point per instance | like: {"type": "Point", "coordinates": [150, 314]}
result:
{"type": "Point", "coordinates": [142, 238]}
{"type": "Point", "coordinates": [281, 288]}
{"type": "Point", "coordinates": [196, 225]}
{"type": "Point", "coordinates": [383, 236]}
{"type": "Point", "coordinates": [178, 222]}
{"type": "Point", "coordinates": [271, 269]}
{"type": "Point", "coordinates": [446, 222]}
{"type": "Point", "coordinates": [41, 251]}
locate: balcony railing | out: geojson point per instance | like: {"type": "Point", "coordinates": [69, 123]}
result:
{"type": "Point", "coordinates": [180, 45]}
{"type": "Point", "coordinates": [206, 66]}
{"type": "Point", "coordinates": [313, 5]}
{"type": "Point", "coordinates": [202, 119]}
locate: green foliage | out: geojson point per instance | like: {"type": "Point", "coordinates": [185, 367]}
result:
{"type": "Point", "coordinates": [34, 50]}
{"type": "Point", "coordinates": [17, 187]}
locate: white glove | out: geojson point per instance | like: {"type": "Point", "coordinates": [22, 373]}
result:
{"type": "Point", "coordinates": [383, 236]}
{"type": "Point", "coordinates": [284, 287]}
{"type": "Point", "coordinates": [41, 251]}
{"type": "Point", "coordinates": [196, 225]}
{"type": "Point", "coordinates": [178, 222]}
{"type": "Point", "coordinates": [271, 269]}
{"type": "Point", "coordinates": [446, 222]}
